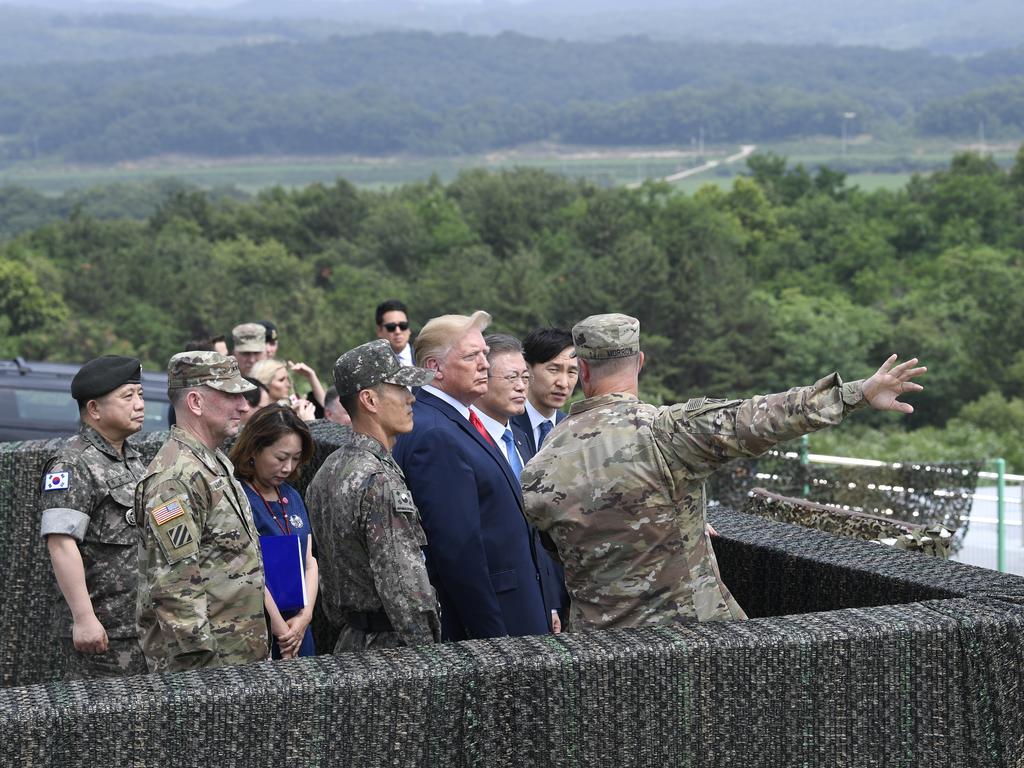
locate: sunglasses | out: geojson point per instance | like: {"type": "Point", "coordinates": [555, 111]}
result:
{"type": "Point", "coordinates": [392, 327]}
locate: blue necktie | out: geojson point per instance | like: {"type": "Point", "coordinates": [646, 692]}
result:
{"type": "Point", "coordinates": [513, 455]}
{"type": "Point", "coordinates": [545, 427]}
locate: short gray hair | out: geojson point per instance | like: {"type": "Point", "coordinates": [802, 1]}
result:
{"type": "Point", "coordinates": [502, 344]}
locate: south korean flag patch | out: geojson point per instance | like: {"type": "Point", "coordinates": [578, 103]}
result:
{"type": "Point", "coordinates": [57, 481]}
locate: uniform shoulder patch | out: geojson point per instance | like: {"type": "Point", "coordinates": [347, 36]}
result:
{"type": "Point", "coordinates": [179, 536]}
{"type": "Point", "coordinates": [402, 499]}
{"type": "Point", "coordinates": [168, 511]}
{"type": "Point", "coordinates": [57, 481]}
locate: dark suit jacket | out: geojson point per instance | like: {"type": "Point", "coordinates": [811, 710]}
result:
{"type": "Point", "coordinates": [481, 555]}
{"type": "Point", "coordinates": [552, 575]}
{"type": "Point", "coordinates": [523, 422]}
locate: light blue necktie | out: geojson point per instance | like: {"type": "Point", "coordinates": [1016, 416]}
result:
{"type": "Point", "coordinates": [545, 427]}
{"type": "Point", "coordinates": [513, 454]}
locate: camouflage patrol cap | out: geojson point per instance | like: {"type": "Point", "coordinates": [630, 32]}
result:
{"type": "Point", "coordinates": [211, 369]}
{"type": "Point", "coordinates": [603, 337]}
{"type": "Point", "coordinates": [373, 363]}
{"type": "Point", "coordinates": [249, 337]}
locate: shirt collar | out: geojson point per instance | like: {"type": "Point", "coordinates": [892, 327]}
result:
{"type": "Point", "coordinates": [374, 446]}
{"type": "Point", "coordinates": [405, 356]}
{"type": "Point", "coordinates": [536, 417]}
{"type": "Point", "coordinates": [463, 409]}
{"type": "Point", "coordinates": [494, 427]}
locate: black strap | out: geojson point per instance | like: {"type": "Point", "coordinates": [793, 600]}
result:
{"type": "Point", "coordinates": [369, 621]}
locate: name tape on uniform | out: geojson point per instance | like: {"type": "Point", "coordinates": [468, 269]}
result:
{"type": "Point", "coordinates": [57, 481]}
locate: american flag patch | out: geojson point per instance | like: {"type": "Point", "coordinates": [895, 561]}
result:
{"type": "Point", "coordinates": [168, 511]}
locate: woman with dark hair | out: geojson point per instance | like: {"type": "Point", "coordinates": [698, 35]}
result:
{"type": "Point", "coordinates": [269, 452]}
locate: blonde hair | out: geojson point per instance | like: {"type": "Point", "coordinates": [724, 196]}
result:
{"type": "Point", "coordinates": [440, 334]}
{"type": "Point", "coordinates": [264, 371]}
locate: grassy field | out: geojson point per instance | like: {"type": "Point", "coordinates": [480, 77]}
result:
{"type": "Point", "coordinates": [870, 164]}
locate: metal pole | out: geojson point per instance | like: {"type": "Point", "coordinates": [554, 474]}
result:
{"type": "Point", "coordinates": [1001, 515]}
{"type": "Point", "coordinates": [805, 444]}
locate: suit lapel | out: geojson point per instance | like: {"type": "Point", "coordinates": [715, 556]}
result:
{"type": "Point", "coordinates": [463, 423]}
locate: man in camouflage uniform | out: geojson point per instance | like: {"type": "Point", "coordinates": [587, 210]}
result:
{"type": "Point", "coordinates": [200, 571]}
{"type": "Point", "coordinates": [375, 585]}
{"type": "Point", "coordinates": [619, 485]}
{"type": "Point", "coordinates": [89, 526]}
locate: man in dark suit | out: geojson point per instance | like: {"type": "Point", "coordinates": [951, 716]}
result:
{"type": "Point", "coordinates": [551, 356]}
{"type": "Point", "coordinates": [480, 553]}
{"type": "Point", "coordinates": [505, 398]}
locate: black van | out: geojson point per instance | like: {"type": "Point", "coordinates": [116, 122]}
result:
{"type": "Point", "coordinates": [35, 400]}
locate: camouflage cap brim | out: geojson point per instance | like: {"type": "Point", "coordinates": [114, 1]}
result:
{"type": "Point", "coordinates": [232, 386]}
{"type": "Point", "coordinates": [411, 376]}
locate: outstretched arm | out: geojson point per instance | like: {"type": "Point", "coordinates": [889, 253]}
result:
{"type": "Point", "coordinates": [889, 382]}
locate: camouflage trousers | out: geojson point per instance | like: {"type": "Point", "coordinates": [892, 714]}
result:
{"type": "Point", "coordinates": [351, 639]}
{"type": "Point", "coordinates": [122, 658]}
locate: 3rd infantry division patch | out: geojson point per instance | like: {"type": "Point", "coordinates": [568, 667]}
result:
{"type": "Point", "coordinates": [180, 536]}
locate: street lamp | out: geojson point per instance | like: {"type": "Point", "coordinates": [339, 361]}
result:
{"type": "Point", "coordinates": [846, 116]}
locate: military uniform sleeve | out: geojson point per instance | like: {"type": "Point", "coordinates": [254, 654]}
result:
{"type": "Point", "coordinates": [394, 538]}
{"type": "Point", "coordinates": [171, 519]}
{"type": "Point", "coordinates": [704, 433]}
{"type": "Point", "coordinates": [67, 497]}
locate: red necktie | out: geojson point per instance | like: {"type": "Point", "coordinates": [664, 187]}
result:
{"type": "Point", "coordinates": [475, 421]}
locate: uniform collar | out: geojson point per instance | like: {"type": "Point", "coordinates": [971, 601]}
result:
{"type": "Point", "coordinates": [101, 443]}
{"type": "Point", "coordinates": [212, 459]}
{"type": "Point", "coordinates": [596, 402]}
{"type": "Point", "coordinates": [373, 445]}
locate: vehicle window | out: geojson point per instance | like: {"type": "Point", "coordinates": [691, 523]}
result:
{"type": "Point", "coordinates": [34, 405]}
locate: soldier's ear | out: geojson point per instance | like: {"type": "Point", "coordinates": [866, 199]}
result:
{"type": "Point", "coordinates": [368, 400]}
{"type": "Point", "coordinates": [92, 409]}
{"type": "Point", "coordinates": [640, 362]}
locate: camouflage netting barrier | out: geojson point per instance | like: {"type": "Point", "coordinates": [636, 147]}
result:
{"type": "Point", "coordinates": [934, 540]}
{"type": "Point", "coordinates": [857, 655]}
{"type": "Point", "coordinates": [919, 493]}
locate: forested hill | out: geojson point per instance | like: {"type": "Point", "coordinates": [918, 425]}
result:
{"type": "Point", "coordinates": [445, 94]}
{"type": "Point", "coordinates": [777, 281]}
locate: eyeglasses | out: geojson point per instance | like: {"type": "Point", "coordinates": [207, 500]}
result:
{"type": "Point", "coordinates": [392, 327]}
{"type": "Point", "coordinates": [512, 378]}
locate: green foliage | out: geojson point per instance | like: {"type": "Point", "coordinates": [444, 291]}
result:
{"type": "Point", "coordinates": [392, 93]}
{"type": "Point", "coordinates": [779, 280]}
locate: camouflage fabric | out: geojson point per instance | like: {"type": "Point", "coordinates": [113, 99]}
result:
{"type": "Point", "coordinates": [200, 571]}
{"type": "Point", "coordinates": [94, 507]}
{"type": "Point", "coordinates": [619, 488]}
{"type": "Point", "coordinates": [602, 337]}
{"type": "Point", "coordinates": [373, 363]}
{"type": "Point", "coordinates": [249, 337]}
{"type": "Point", "coordinates": [370, 544]}
{"type": "Point", "coordinates": [122, 658]}
{"type": "Point", "coordinates": [934, 540]}
{"type": "Point", "coordinates": [212, 369]}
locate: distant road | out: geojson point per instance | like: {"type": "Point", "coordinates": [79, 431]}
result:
{"type": "Point", "coordinates": [745, 151]}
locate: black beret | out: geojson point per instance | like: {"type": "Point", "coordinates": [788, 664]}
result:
{"type": "Point", "coordinates": [104, 374]}
{"type": "Point", "coordinates": [271, 330]}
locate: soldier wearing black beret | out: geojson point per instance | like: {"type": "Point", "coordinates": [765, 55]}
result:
{"type": "Point", "coordinates": [88, 489]}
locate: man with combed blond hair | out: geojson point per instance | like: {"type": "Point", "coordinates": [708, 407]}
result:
{"type": "Point", "coordinates": [480, 555]}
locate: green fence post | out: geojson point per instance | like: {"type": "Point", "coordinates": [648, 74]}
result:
{"type": "Point", "coordinates": [1001, 515]}
{"type": "Point", "coordinates": [805, 462]}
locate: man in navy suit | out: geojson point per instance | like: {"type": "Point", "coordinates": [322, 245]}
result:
{"type": "Point", "coordinates": [481, 555]}
{"type": "Point", "coordinates": [506, 397]}
{"type": "Point", "coordinates": [551, 356]}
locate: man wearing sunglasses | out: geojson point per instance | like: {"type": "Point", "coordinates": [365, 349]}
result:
{"type": "Point", "coordinates": [393, 327]}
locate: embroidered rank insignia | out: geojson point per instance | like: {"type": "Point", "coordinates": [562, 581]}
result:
{"type": "Point", "coordinates": [179, 536]}
{"type": "Point", "coordinates": [168, 511]}
{"type": "Point", "coordinates": [57, 481]}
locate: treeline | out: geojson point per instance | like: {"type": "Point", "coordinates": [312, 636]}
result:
{"type": "Point", "coordinates": [428, 94]}
{"type": "Point", "coordinates": [788, 275]}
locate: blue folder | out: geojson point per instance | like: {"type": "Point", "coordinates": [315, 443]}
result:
{"type": "Point", "coordinates": [283, 568]}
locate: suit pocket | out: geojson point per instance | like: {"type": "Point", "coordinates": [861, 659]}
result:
{"type": "Point", "coordinates": [504, 581]}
